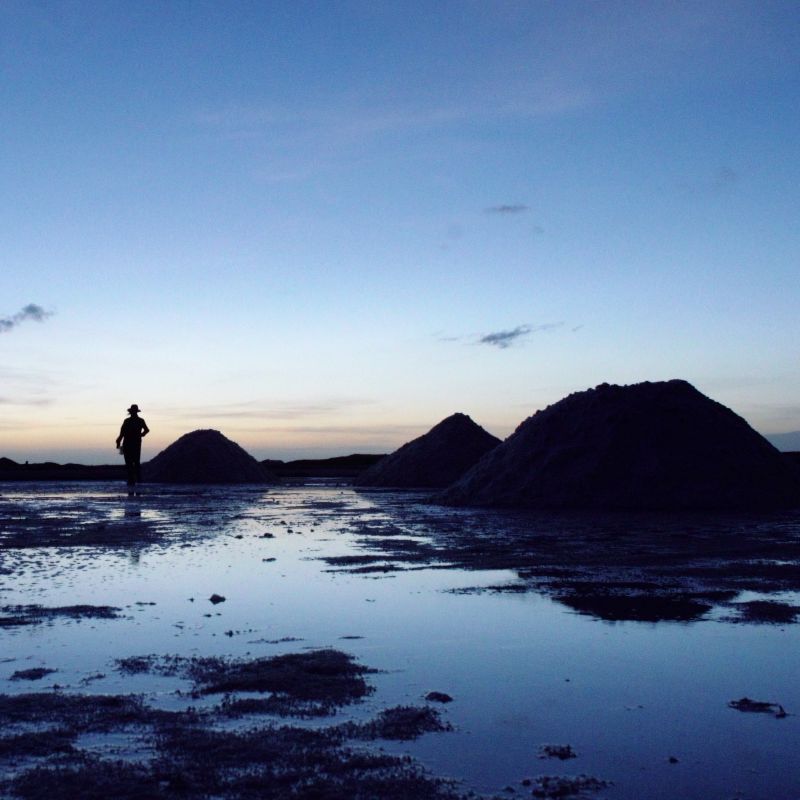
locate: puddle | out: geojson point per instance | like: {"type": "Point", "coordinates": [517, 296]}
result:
{"type": "Point", "coordinates": [421, 596]}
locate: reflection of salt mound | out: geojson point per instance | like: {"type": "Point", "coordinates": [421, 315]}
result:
{"type": "Point", "coordinates": [436, 459]}
{"type": "Point", "coordinates": [646, 446]}
{"type": "Point", "coordinates": [204, 456]}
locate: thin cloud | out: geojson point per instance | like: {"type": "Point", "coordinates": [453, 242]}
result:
{"type": "Point", "coordinates": [441, 336]}
{"type": "Point", "coordinates": [508, 208]}
{"type": "Point", "coordinates": [357, 431]}
{"type": "Point", "coordinates": [296, 141]}
{"type": "Point", "coordinates": [25, 401]}
{"type": "Point", "coordinates": [505, 339]}
{"type": "Point", "coordinates": [30, 312]}
{"type": "Point", "coordinates": [773, 416]}
{"type": "Point", "coordinates": [30, 378]}
{"type": "Point", "coordinates": [343, 120]}
{"type": "Point", "coordinates": [26, 387]}
{"type": "Point", "coordinates": [265, 410]}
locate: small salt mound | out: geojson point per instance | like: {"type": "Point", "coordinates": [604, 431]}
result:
{"type": "Point", "coordinates": [646, 446]}
{"type": "Point", "coordinates": [204, 456]}
{"type": "Point", "coordinates": [436, 459]}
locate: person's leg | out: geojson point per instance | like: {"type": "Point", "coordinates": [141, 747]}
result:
{"type": "Point", "coordinates": [130, 466]}
{"type": "Point", "coordinates": [136, 466]}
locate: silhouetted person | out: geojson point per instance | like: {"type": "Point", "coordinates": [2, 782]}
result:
{"type": "Point", "coordinates": [133, 430]}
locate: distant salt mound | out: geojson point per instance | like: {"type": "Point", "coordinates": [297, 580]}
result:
{"type": "Point", "coordinates": [646, 446]}
{"type": "Point", "coordinates": [204, 456]}
{"type": "Point", "coordinates": [436, 459]}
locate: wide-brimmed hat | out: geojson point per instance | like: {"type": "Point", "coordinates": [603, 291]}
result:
{"type": "Point", "coordinates": [135, 408]}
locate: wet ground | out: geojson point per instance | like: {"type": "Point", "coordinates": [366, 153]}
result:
{"type": "Point", "coordinates": [321, 642]}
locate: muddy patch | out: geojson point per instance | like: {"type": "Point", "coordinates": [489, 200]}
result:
{"type": "Point", "coordinates": [656, 607]}
{"type": "Point", "coordinates": [749, 706]}
{"type": "Point", "coordinates": [574, 786]}
{"type": "Point", "coordinates": [562, 752]}
{"type": "Point", "coordinates": [314, 682]}
{"type": "Point", "coordinates": [282, 762]}
{"type": "Point", "coordinates": [13, 616]}
{"type": "Point", "coordinates": [771, 612]}
{"type": "Point", "coordinates": [613, 566]}
{"type": "Point", "coordinates": [33, 674]}
{"type": "Point", "coordinates": [86, 712]}
{"type": "Point", "coordinates": [401, 723]}
{"type": "Point", "coordinates": [37, 744]}
{"type": "Point", "coordinates": [189, 756]}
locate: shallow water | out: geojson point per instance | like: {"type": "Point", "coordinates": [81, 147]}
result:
{"type": "Point", "coordinates": [523, 670]}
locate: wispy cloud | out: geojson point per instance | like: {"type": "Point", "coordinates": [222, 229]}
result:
{"type": "Point", "coordinates": [505, 339]}
{"type": "Point", "coordinates": [26, 388]}
{"type": "Point", "coordinates": [617, 51]}
{"type": "Point", "coordinates": [265, 410]}
{"type": "Point", "coordinates": [510, 208]}
{"type": "Point", "coordinates": [357, 431]}
{"type": "Point", "coordinates": [26, 401]}
{"type": "Point", "coordinates": [772, 416]}
{"type": "Point", "coordinates": [296, 140]}
{"type": "Point", "coordinates": [25, 377]}
{"type": "Point", "coordinates": [30, 312]}
{"type": "Point", "coordinates": [349, 119]}
{"type": "Point", "coordinates": [442, 336]}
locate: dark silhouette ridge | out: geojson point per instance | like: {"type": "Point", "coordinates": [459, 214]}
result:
{"type": "Point", "coordinates": [646, 446]}
{"type": "Point", "coordinates": [336, 467]}
{"type": "Point", "coordinates": [205, 456]}
{"type": "Point", "coordinates": [344, 467]}
{"type": "Point", "coordinates": [50, 471]}
{"type": "Point", "coordinates": [306, 468]}
{"type": "Point", "coordinates": [435, 459]}
{"type": "Point", "coordinates": [793, 458]}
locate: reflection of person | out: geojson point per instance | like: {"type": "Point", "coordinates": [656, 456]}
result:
{"type": "Point", "coordinates": [133, 430]}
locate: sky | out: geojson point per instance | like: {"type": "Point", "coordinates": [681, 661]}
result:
{"type": "Point", "coordinates": [322, 227]}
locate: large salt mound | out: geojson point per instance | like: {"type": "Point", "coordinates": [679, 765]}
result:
{"type": "Point", "coordinates": [646, 446]}
{"type": "Point", "coordinates": [436, 459]}
{"type": "Point", "coordinates": [204, 456]}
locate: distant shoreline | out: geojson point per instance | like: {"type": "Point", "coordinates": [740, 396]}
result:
{"type": "Point", "coordinates": [344, 467]}
{"type": "Point", "coordinates": [337, 467]}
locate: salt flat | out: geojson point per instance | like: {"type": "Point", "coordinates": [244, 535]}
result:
{"type": "Point", "coordinates": [625, 637]}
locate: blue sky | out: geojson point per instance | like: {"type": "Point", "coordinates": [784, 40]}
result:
{"type": "Point", "coordinates": [321, 227]}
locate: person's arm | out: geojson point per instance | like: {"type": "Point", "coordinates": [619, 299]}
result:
{"type": "Point", "coordinates": [145, 429]}
{"type": "Point", "coordinates": [121, 434]}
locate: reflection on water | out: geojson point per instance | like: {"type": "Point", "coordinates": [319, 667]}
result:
{"type": "Point", "coordinates": [391, 582]}
{"type": "Point", "coordinates": [641, 608]}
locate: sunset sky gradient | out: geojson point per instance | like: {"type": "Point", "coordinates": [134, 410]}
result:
{"type": "Point", "coordinates": [321, 227]}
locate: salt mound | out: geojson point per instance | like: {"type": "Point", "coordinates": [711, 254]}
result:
{"type": "Point", "coordinates": [204, 456]}
{"type": "Point", "coordinates": [646, 446]}
{"type": "Point", "coordinates": [436, 459]}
